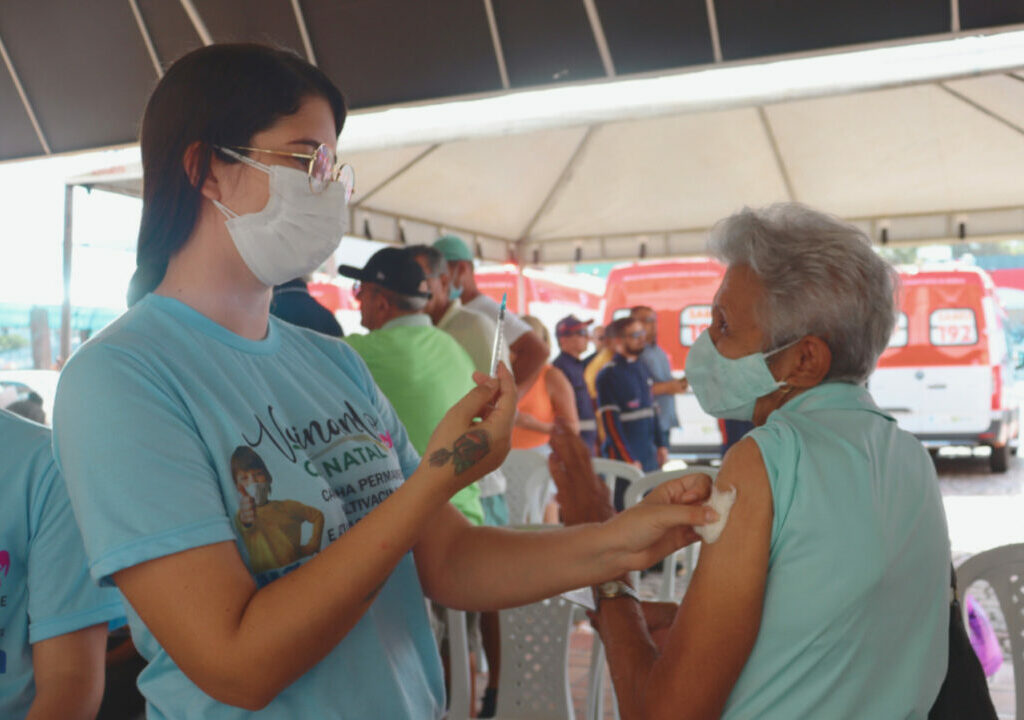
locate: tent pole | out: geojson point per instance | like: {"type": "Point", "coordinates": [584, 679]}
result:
{"type": "Point", "coordinates": [24, 99]}
{"type": "Point", "coordinates": [65, 311]}
{"type": "Point", "coordinates": [981, 108]}
{"type": "Point", "coordinates": [197, 22]}
{"type": "Point", "coordinates": [780, 163]}
{"type": "Point", "coordinates": [523, 305]}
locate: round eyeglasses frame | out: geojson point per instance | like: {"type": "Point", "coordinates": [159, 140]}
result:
{"type": "Point", "coordinates": [323, 167]}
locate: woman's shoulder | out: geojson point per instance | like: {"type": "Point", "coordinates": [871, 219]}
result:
{"type": "Point", "coordinates": [336, 352]}
{"type": "Point", "coordinates": [26, 436]}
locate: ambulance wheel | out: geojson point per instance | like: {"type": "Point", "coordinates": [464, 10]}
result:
{"type": "Point", "coordinates": [999, 460]}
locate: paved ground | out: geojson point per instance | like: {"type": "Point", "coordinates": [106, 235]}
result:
{"type": "Point", "coordinates": [984, 510]}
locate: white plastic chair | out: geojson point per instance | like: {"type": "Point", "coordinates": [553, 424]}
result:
{"type": "Point", "coordinates": [459, 701]}
{"type": "Point", "coordinates": [609, 469]}
{"type": "Point", "coordinates": [1003, 569]}
{"type": "Point", "coordinates": [527, 475]}
{"type": "Point", "coordinates": [635, 493]}
{"type": "Point", "coordinates": [534, 680]}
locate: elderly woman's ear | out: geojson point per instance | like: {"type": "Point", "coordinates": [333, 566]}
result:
{"type": "Point", "coordinates": [805, 364]}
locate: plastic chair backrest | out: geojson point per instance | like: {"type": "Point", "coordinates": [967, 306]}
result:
{"type": "Point", "coordinates": [1003, 569]}
{"type": "Point", "coordinates": [609, 469]}
{"type": "Point", "coordinates": [527, 474]}
{"type": "Point", "coordinates": [458, 658]}
{"type": "Point", "coordinates": [534, 680]}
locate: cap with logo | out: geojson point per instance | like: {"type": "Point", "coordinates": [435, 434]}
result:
{"type": "Point", "coordinates": [453, 248]}
{"type": "Point", "coordinates": [393, 269]}
{"type": "Point", "coordinates": [569, 324]}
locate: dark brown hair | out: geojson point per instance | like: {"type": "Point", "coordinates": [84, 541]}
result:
{"type": "Point", "coordinates": [217, 95]}
{"type": "Point", "coordinates": [245, 458]}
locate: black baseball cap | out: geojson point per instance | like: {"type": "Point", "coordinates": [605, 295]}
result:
{"type": "Point", "coordinates": [391, 268]}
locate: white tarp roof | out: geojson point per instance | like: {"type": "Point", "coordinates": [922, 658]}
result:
{"type": "Point", "coordinates": [909, 163]}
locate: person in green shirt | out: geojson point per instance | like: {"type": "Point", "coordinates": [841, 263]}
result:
{"type": "Point", "coordinates": [420, 369]}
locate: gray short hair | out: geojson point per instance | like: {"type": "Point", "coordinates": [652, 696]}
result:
{"type": "Point", "coordinates": [435, 260]}
{"type": "Point", "coordinates": [820, 278]}
{"type": "Point", "coordinates": [405, 303]}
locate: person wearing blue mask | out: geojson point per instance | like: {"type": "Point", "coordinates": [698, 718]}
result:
{"type": "Point", "coordinates": [304, 598]}
{"type": "Point", "coordinates": [827, 593]}
{"type": "Point", "coordinates": [53, 616]}
{"type": "Point", "coordinates": [474, 331]}
{"type": "Point", "coordinates": [529, 354]}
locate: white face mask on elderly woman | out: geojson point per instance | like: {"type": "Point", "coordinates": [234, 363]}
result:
{"type": "Point", "coordinates": [296, 231]}
{"type": "Point", "coordinates": [729, 388]}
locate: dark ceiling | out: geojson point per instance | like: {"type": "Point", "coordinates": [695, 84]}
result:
{"type": "Point", "coordinates": [86, 70]}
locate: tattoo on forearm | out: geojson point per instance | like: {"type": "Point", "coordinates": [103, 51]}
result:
{"type": "Point", "coordinates": [467, 451]}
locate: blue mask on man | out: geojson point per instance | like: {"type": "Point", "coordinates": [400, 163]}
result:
{"type": "Point", "coordinates": [454, 293]}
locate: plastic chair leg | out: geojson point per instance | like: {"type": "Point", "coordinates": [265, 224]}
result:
{"type": "Point", "coordinates": [595, 686]}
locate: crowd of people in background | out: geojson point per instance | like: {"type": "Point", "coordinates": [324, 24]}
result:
{"type": "Point", "coordinates": [286, 514]}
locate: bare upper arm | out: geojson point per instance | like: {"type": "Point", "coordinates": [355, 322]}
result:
{"type": "Point", "coordinates": [68, 671]}
{"type": "Point", "coordinates": [530, 354]}
{"type": "Point", "coordinates": [192, 601]}
{"type": "Point", "coordinates": [719, 619]}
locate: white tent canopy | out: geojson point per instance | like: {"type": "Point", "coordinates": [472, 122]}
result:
{"type": "Point", "coordinates": [914, 145]}
{"type": "Point", "coordinates": [564, 174]}
{"type": "Point", "coordinates": [909, 164]}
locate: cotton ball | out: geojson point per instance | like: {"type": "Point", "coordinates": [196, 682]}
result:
{"type": "Point", "coordinates": [721, 502]}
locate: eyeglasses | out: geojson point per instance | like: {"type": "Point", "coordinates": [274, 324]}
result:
{"type": "Point", "coordinates": [575, 333]}
{"type": "Point", "coordinates": [636, 334]}
{"type": "Point", "coordinates": [323, 167]}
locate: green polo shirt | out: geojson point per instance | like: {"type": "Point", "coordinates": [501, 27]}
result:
{"type": "Point", "coordinates": [423, 372]}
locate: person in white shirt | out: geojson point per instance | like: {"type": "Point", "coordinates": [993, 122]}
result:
{"type": "Point", "coordinates": [473, 330]}
{"type": "Point", "coordinates": [528, 352]}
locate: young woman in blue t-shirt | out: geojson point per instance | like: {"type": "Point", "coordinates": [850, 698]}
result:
{"type": "Point", "coordinates": [242, 191]}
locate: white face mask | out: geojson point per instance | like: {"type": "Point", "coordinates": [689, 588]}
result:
{"type": "Point", "coordinates": [296, 231]}
{"type": "Point", "coordinates": [259, 492]}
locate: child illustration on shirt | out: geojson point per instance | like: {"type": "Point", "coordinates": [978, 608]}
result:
{"type": "Point", "coordinates": [270, 529]}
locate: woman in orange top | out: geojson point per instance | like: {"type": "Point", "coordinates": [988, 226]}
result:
{"type": "Point", "coordinates": [549, 397]}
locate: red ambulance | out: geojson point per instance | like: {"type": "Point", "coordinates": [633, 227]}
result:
{"type": "Point", "coordinates": [947, 375]}
{"type": "Point", "coordinates": [681, 292]}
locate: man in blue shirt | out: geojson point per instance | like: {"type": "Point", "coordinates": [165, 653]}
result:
{"type": "Point", "coordinates": [625, 402]}
{"type": "Point", "coordinates": [293, 303]}
{"type": "Point", "coordinates": [665, 387]}
{"type": "Point", "coordinates": [573, 338]}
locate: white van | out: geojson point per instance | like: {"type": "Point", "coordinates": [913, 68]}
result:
{"type": "Point", "coordinates": [947, 376]}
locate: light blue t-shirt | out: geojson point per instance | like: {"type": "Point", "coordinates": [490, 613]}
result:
{"type": "Point", "coordinates": [45, 588]}
{"type": "Point", "coordinates": [856, 608]}
{"type": "Point", "coordinates": [170, 429]}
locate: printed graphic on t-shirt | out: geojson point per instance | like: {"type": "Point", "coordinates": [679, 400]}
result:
{"type": "Point", "coordinates": [5, 569]}
{"type": "Point", "coordinates": [301, 486]}
{"type": "Point", "coordinates": [271, 530]}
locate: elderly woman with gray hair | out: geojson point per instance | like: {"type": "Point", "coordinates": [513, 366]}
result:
{"type": "Point", "coordinates": [826, 594]}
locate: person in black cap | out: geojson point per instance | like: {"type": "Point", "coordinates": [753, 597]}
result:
{"type": "Point", "coordinates": [293, 303]}
{"type": "Point", "coordinates": [573, 338]}
{"type": "Point", "coordinates": [390, 285]}
{"type": "Point", "coordinates": [422, 370]}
